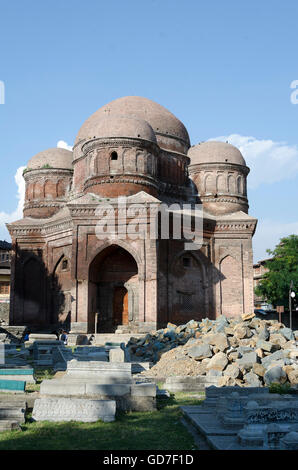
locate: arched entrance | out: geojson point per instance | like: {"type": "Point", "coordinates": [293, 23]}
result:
{"type": "Point", "coordinates": [113, 290]}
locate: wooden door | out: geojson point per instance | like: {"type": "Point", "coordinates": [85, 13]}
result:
{"type": "Point", "coordinates": [120, 307]}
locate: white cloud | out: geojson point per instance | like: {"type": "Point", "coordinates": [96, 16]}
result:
{"type": "Point", "coordinates": [268, 234]}
{"type": "Point", "coordinates": [64, 145]}
{"type": "Point", "coordinates": [18, 212]}
{"type": "Point", "coordinates": [269, 161]}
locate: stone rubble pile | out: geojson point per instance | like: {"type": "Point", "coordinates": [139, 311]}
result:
{"type": "Point", "coordinates": [244, 351]}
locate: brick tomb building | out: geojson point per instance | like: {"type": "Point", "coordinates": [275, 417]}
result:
{"type": "Point", "coordinates": [64, 273]}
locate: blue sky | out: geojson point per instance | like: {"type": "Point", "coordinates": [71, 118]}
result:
{"type": "Point", "coordinates": [223, 67]}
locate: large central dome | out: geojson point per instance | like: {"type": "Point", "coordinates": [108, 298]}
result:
{"type": "Point", "coordinates": [171, 134]}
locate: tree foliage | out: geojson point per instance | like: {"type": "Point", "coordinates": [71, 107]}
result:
{"type": "Point", "coordinates": [282, 269]}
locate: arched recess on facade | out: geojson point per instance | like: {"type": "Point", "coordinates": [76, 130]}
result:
{"type": "Point", "coordinates": [113, 288]}
{"type": "Point", "coordinates": [61, 292]}
{"type": "Point", "coordinates": [239, 184]}
{"type": "Point", "coordinates": [231, 184]}
{"type": "Point", "coordinates": [33, 289]}
{"type": "Point", "coordinates": [230, 286]}
{"type": "Point", "coordinates": [189, 295]}
{"type": "Point", "coordinates": [221, 184]}
{"type": "Point", "coordinates": [209, 183]}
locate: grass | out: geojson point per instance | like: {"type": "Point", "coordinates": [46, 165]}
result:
{"type": "Point", "coordinates": [40, 373]}
{"type": "Point", "coordinates": [157, 430]}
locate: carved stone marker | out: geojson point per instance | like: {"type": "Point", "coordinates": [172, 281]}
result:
{"type": "Point", "coordinates": [74, 409]}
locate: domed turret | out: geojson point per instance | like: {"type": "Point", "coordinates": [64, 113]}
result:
{"type": "Point", "coordinates": [48, 178]}
{"type": "Point", "coordinates": [120, 158]}
{"type": "Point", "coordinates": [219, 171]}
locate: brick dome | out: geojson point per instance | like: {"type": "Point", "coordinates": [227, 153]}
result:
{"type": "Point", "coordinates": [215, 152]}
{"type": "Point", "coordinates": [171, 134]}
{"type": "Point", "coordinates": [122, 127]}
{"type": "Point", "coordinates": [56, 158]}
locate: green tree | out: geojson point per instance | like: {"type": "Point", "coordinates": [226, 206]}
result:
{"type": "Point", "coordinates": [282, 269]}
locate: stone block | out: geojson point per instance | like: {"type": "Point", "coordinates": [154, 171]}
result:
{"type": "Point", "coordinates": [252, 380]}
{"type": "Point", "coordinates": [247, 360]}
{"type": "Point", "coordinates": [218, 362]}
{"type": "Point", "coordinates": [199, 352]}
{"type": "Point", "coordinates": [232, 371]}
{"type": "Point", "coordinates": [287, 333]}
{"type": "Point", "coordinates": [60, 387]}
{"type": "Point", "coordinates": [217, 339]}
{"type": "Point", "coordinates": [73, 409]}
{"type": "Point", "coordinates": [110, 390]}
{"type": "Point", "coordinates": [116, 355]}
{"type": "Point", "coordinates": [10, 410]}
{"type": "Point", "coordinates": [275, 375]}
{"type": "Point", "coordinates": [266, 345]}
{"type": "Point", "coordinates": [41, 337]}
{"type": "Point", "coordinates": [143, 390]}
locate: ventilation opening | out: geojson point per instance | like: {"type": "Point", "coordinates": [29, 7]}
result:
{"type": "Point", "coordinates": [64, 264]}
{"type": "Point", "coordinates": [114, 156]}
{"type": "Point", "coordinates": [186, 302]}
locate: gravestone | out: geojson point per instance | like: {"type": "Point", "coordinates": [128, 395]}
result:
{"type": "Point", "coordinates": [73, 409]}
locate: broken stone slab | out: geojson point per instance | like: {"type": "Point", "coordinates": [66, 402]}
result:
{"type": "Point", "coordinates": [217, 339]}
{"type": "Point", "coordinates": [247, 360]}
{"type": "Point", "coordinates": [266, 345]}
{"type": "Point", "coordinates": [252, 380]}
{"type": "Point", "coordinates": [277, 355]}
{"type": "Point", "coordinates": [218, 362]}
{"type": "Point", "coordinates": [275, 374]}
{"type": "Point", "coordinates": [199, 352]}
{"type": "Point", "coordinates": [287, 333]}
{"type": "Point", "coordinates": [74, 409]}
{"type": "Point", "coordinates": [233, 371]}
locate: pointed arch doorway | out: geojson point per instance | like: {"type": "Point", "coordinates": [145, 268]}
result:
{"type": "Point", "coordinates": [113, 290]}
{"type": "Point", "coordinates": [120, 305]}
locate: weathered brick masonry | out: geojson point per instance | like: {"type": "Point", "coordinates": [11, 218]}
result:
{"type": "Point", "coordinates": [64, 273]}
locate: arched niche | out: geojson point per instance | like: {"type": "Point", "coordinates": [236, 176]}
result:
{"type": "Point", "coordinates": [113, 289]}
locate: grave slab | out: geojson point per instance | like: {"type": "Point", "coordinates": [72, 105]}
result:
{"type": "Point", "coordinates": [73, 409]}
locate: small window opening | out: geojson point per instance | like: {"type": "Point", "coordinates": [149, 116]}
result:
{"type": "Point", "coordinates": [64, 264]}
{"type": "Point", "coordinates": [114, 156]}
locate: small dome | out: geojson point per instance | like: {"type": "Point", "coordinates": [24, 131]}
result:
{"type": "Point", "coordinates": [122, 126]}
{"type": "Point", "coordinates": [57, 158]}
{"type": "Point", "coordinates": [215, 152]}
{"type": "Point", "coordinates": [160, 119]}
